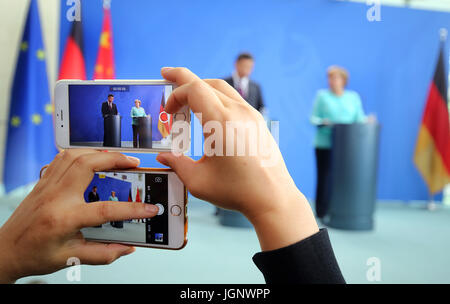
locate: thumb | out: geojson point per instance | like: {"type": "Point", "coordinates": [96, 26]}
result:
{"type": "Point", "coordinates": [183, 166]}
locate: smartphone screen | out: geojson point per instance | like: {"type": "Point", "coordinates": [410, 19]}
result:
{"type": "Point", "coordinates": [140, 188]}
{"type": "Point", "coordinates": [124, 116]}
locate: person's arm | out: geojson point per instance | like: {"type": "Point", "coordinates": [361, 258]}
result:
{"type": "Point", "coordinates": [44, 231]}
{"type": "Point", "coordinates": [360, 116]}
{"type": "Point", "coordinates": [133, 115]}
{"type": "Point", "coordinates": [308, 261]}
{"type": "Point", "coordinates": [103, 110]}
{"type": "Point", "coordinates": [260, 104]}
{"type": "Point", "coordinates": [316, 116]}
{"type": "Point", "coordinates": [266, 194]}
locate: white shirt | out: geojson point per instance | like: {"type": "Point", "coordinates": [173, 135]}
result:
{"type": "Point", "coordinates": [240, 83]}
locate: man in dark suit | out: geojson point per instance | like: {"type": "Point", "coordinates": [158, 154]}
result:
{"type": "Point", "coordinates": [109, 107]}
{"type": "Point", "coordinates": [94, 197]}
{"type": "Point", "coordinates": [240, 80]}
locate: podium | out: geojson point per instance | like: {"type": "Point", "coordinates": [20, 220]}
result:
{"type": "Point", "coordinates": [112, 131]}
{"type": "Point", "coordinates": [233, 218]}
{"type": "Point", "coordinates": [353, 176]}
{"type": "Point", "coordinates": [145, 132]}
{"type": "Point", "coordinates": [117, 224]}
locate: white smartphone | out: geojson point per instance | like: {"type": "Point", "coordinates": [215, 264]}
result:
{"type": "Point", "coordinates": [122, 115]}
{"type": "Point", "coordinates": [161, 187]}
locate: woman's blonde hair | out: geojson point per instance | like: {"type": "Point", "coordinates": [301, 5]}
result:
{"type": "Point", "coordinates": [137, 101]}
{"type": "Point", "coordinates": [334, 69]}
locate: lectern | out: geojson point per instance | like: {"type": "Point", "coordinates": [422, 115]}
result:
{"type": "Point", "coordinates": [353, 176]}
{"type": "Point", "coordinates": [145, 131]}
{"type": "Point", "coordinates": [117, 224]}
{"type": "Point", "coordinates": [233, 219]}
{"type": "Point", "coordinates": [112, 131]}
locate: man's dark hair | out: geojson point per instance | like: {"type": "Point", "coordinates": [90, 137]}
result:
{"type": "Point", "coordinates": [110, 95]}
{"type": "Point", "coordinates": [242, 56]}
{"type": "Point", "coordinates": [94, 187]}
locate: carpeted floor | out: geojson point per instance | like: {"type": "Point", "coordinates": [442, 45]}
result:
{"type": "Point", "coordinates": [412, 245]}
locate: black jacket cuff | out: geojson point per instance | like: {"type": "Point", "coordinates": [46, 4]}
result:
{"type": "Point", "coordinates": [310, 261]}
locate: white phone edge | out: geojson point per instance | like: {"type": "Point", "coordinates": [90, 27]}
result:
{"type": "Point", "coordinates": [62, 122]}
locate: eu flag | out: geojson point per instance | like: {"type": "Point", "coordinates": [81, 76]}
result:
{"type": "Point", "coordinates": [30, 143]}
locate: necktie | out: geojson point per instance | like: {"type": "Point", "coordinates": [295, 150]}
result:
{"type": "Point", "coordinates": [240, 90]}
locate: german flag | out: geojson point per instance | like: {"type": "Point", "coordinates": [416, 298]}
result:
{"type": "Point", "coordinates": [432, 155]}
{"type": "Point", "coordinates": [72, 63]}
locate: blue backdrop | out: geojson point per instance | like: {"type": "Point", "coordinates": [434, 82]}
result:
{"type": "Point", "coordinates": [391, 63]}
{"type": "Point", "coordinates": [86, 121]}
{"type": "Point", "coordinates": [108, 184]}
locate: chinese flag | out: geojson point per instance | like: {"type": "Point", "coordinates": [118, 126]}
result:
{"type": "Point", "coordinates": [72, 63]}
{"type": "Point", "coordinates": [104, 68]}
{"type": "Point", "coordinates": [138, 196]}
{"type": "Point", "coordinates": [164, 120]}
{"type": "Point", "coordinates": [432, 155]}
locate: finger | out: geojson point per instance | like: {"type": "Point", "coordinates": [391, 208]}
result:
{"type": "Point", "coordinates": [223, 87]}
{"type": "Point", "coordinates": [94, 214]}
{"type": "Point", "coordinates": [179, 76]}
{"type": "Point", "coordinates": [183, 166]}
{"type": "Point", "coordinates": [81, 172]}
{"type": "Point", "coordinates": [200, 97]}
{"type": "Point", "coordinates": [93, 253]}
{"type": "Point", "coordinates": [62, 162]}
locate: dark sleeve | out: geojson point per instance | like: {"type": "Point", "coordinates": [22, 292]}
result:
{"type": "Point", "coordinates": [103, 110]}
{"type": "Point", "coordinates": [115, 109]}
{"type": "Point", "coordinates": [260, 103]}
{"type": "Point", "coordinates": [229, 80]}
{"type": "Point", "coordinates": [310, 261]}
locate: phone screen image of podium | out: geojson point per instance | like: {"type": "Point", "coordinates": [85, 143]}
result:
{"type": "Point", "coordinates": [139, 188]}
{"type": "Point", "coordinates": [126, 116]}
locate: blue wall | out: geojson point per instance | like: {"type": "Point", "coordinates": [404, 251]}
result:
{"type": "Point", "coordinates": [391, 64]}
{"type": "Point", "coordinates": [86, 121]}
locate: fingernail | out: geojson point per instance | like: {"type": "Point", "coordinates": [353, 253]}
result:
{"type": "Point", "coordinates": [134, 159]}
{"type": "Point", "coordinates": [162, 160]}
{"type": "Point", "coordinates": [150, 208]}
{"type": "Point", "coordinates": [165, 69]}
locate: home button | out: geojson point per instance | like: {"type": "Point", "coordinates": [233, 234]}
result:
{"type": "Point", "coordinates": [175, 210]}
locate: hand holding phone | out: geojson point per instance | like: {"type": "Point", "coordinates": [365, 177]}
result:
{"type": "Point", "coordinates": [266, 195]}
{"type": "Point", "coordinates": [44, 231]}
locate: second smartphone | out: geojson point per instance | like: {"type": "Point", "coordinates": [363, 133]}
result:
{"type": "Point", "coordinates": [122, 115]}
{"type": "Point", "coordinates": [161, 187]}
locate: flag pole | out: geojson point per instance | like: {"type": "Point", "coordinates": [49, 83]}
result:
{"type": "Point", "coordinates": [431, 205]}
{"type": "Point", "coordinates": [443, 33]}
{"type": "Point", "coordinates": [106, 4]}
